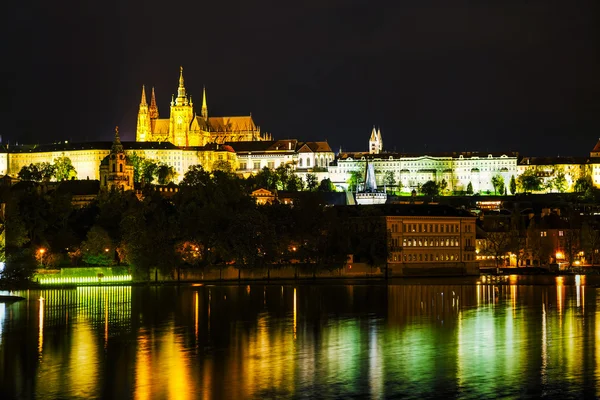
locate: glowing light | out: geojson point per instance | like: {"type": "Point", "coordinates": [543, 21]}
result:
{"type": "Point", "coordinates": [560, 255]}
{"type": "Point", "coordinates": [295, 315]}
{"type": "Point", "coordinates": [84, 280]}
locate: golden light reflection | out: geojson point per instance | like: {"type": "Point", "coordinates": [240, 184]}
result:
{"type": "Point", "coordinates": [143, 368]}
{"type": "Point", "coordinates": [105, 321]}
{"type": "Point", "coordinates": [196, 317]}
{"type": "Point", "coordinates": [544, 345]}
{"type": "Point", "coordinates": [560, 288]}
{"type": "Point", "coordinates": [295, 315]}
{"type": "Point", "coordinates": [83, 362]}
{"type": "Point", "coordinates": [41, 327]}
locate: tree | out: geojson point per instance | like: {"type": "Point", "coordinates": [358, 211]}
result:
{"type": "Point", "coordinates": [470, 188]}
{"type": "Point", "coordinates": [513, 185]}
{"type": "Point", "coordinates": [529, 181]}
{"type": "Point", "coordinates": [389, 180]}
{"type": "Point", "coordinates": [64, 169]}
{"type": "Point", "coordinates": [442, 186]}
{"type": "Point", "coordinates": [499, 244]}
{"type": "Point", "coordinates": [430, 188]}
{"type": "Point", "coordinates": [138, 163]}
{"type": "Point", "coordinates": [37, 172]}
{"type": "Point", "coordinates": [590, 237]}
{"type": "Point", "coordinates": [498, 183]}
{"type": "Point", "coordinates": [560, 182]}
{"type": "Point", "coordinates": [326, 186]}
{"type": "Point", "coordinates": [311, 182]}
{"type": "Point", "coordinates": [584, 184]}
{"type": "Point", "coordinates": [357, 178]}
{"type": "Point", "coordinates": [98, 248]}
{"type": "Point", "coordinates": [165, 174]}
{"type": "Point", "coordinates": [222, 165]}
{"type": "Point", "coordinates": [149, 169]}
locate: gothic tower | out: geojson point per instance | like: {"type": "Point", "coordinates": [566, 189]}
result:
{"type": "Point", "coordinates": [204, 105]}
{"type": "Point", "coordinates": [116, 170]}
{"type": "Point", "coordinates": [143, 131]}
{"type": "Point", "coordinates": [182, 112]}
{"type": "Point", "coordinates": [375, 142]}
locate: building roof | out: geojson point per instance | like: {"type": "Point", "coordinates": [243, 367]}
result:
{"type": "Point", "coordinates": [317, 147]}
{"type": "Point", "coordinates": [231, 124]}
{"type": "Point", "coordinates": [65, 146]}
{"type": "Point", "coordinates": [408, 210]}
{"type": "Point", "coordinates": [454, 155]}
{"type": "Point", "coordinates": [264, 146]}
{"type": "Point", "coordinates": [160, 126]}
{"type": "Point", "coordinates": [553, 160]}
{"type": "Point", "coordinates": [79, 187]}
{"type": "Point", "coordinates": [596, 148]}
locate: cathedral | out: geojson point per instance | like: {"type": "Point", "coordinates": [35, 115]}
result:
{"type": "Point", "coordinates": [185, 128]}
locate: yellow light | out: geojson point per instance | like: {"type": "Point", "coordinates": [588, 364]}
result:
{"type": "Point", "coordinates": [560, 255]}
{"type": "Point", "coordinates": [106, 250]}
{"type": "Point", "coordinates": [42, 251]}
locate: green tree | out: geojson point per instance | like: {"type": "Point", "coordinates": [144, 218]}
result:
{"type": "Point", "coordinates": [529, 181]}
{"type": "Point", "coordinates": [470, 188]}
{"type": "Point", "coordinates": [513, 185]}
{"type": "Point", "coordinates": [443, 185]}
{"type": "Point", "coordinates": [498, 183]}
{"type": "Point", "coordinates": [430, 188]}
{"type": "Point", "coordinates": [560, 182]}
{"type": "Point", "coordinates": [222, 165]}
{"type": "Point", "coordinates": [138, 163]}
{"type": "Point", "coordinates": [165, 174]}
{"type": "Point", "coordinates": [64, 169]}
{"type": "Point", "coordinates": [311, 182]}
{"type": "Point", "coordinates": [149, 169]}
{"type": "Point", "coordinates": [389, 180]}
{"type": "Point", "coordinates": [356, 179]}
{"type": "Point", "coordinates": [326, 186]}
{"type": "Point", "coordinates": [584, 184]}
{"type": "Point", "coordinates": [98, 248]}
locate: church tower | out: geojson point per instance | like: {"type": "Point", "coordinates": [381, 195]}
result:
{"type": "Point", "coordinates": [182, 113]}
{"type": "Point", "coordinates": [142, 132]}
{"type": "Point", "coordinates": [116, 170]}
{"type": "Point", "coordinates": [375, 142]}
{"type": "Point", "coordinates": [204, 105]}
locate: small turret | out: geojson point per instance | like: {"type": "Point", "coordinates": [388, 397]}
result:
{"type": "Point", "coordinates": [181, 97]}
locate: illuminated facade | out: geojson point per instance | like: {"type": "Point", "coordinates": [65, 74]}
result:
{"type": "Point", "coordinates": [423, 239]}
{"type": "Point", "coordinates": [185, 128]}
{"type": "Point", "coordinates": [116, 170]}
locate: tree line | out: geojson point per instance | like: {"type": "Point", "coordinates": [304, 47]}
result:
{"type": "Point", "coordinates": [211, 222]}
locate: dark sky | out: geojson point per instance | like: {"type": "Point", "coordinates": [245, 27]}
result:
{"type": "Point", "coordinates": [438, 75]}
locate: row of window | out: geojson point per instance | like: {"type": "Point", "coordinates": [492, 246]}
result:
{"type": "Point", "coordinates": [430, 257]}
{"type": "Point", "coordinates": [431, 228]}
{"type": "Point", "coordinates": [428, 242]}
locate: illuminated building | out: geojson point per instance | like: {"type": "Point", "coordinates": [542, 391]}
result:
{"type": "Point", "coordinates": [422, 239]}
{"type": "Point", "coordinates": [116, 170]}
{"type": "Point", "coordinates": [185, 128]}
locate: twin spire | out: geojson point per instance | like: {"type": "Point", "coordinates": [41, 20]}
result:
{"type": "Point", "coordinates": [181, 99]}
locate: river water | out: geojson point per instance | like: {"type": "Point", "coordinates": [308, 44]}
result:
{"type": "Point", "coordinates": [479, 338]}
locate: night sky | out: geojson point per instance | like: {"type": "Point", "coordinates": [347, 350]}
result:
{"type": "Point", "coordinates": [507, 75]}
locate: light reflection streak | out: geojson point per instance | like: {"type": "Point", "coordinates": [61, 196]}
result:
{"type": "Point", "coordinates": [375, 365]}
{"type": "Point", "coordinates": [559, 294]}
{"type": "Point", "coordinates": [2, 317]}
{"type": "Point", "coordinates": [544, 345]}
{"type": "Point", "coordinates": [196, 317]}
{"type": "Point", "coordinates": [41, 327]}
{"type": "Point", "coordinates": [295, 315]}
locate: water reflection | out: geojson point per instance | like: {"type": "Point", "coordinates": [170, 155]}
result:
{"type": "Point", "coordinates": [487, 338]}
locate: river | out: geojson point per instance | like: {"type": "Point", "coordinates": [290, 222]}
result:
{"type": "Point", "coordinates": [484, 337]}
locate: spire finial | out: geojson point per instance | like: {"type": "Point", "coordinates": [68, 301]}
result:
{"type": "Point", "coordinates": [143, 101]}
{"type": "Point", "coordinates": [181, 98]}
{"type": "Point", "coordinates": [153, 107]}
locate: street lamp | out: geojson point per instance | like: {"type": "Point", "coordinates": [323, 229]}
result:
{"type": "Point", "coordinates": [41, 252]}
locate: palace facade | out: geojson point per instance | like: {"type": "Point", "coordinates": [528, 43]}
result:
{"type": "Point", "coordinates": [185, 128]}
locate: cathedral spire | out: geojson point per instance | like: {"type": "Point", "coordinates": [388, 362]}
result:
{"type": "Point", "coordinates": [143, 101]}
{"type": "Point", "coordinates": [153, 107]}
{"type": "Point", "coordinates": [204, 105]}
{"type": "Point", "coordinates": [181, 97]}
{"type": "Point", "coordinates": [117, 147]}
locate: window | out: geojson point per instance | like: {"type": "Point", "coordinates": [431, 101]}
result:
{"type": "Point", "coordinates": [560, 233]}
{"type": "Point", "coordinates": [543, 233]}
{"type": "Point", "coordinates": [257, 165]}
{"type": "Point", "coordinates": [308, 162]}
{"type": "Point", "coordinates": [271, 165]}
{"type": "Point", "coordinates": [300, 163]}
{"type": "Point", "coordinates": [243, 165]}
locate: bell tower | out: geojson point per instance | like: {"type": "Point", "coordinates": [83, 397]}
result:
{"type": "Point", "coordinates": [182, 112]}
{"type": "Point", "coordinates": [143, 132]}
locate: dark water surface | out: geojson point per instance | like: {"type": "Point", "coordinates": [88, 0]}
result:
{"type": "Point", "coordinates": [443, 338]}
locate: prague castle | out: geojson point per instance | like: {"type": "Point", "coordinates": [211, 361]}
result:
{"type": "Point", "coordinates": [185, 128]}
